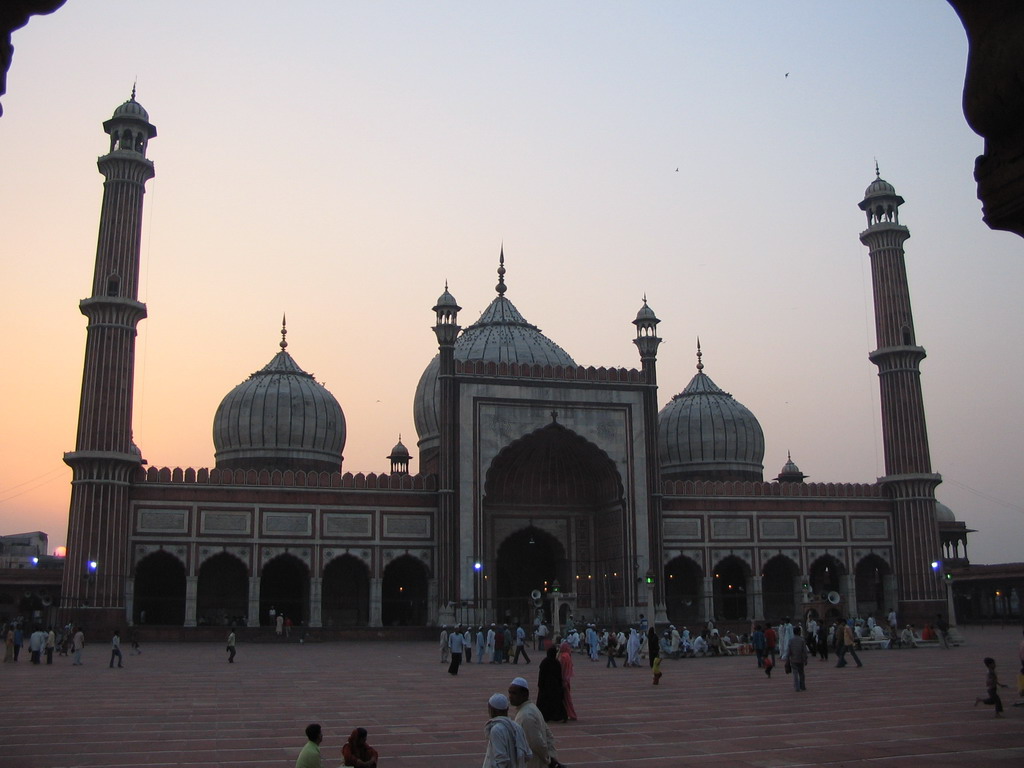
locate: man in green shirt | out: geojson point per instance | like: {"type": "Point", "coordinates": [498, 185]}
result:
{"type": "Point", "coordinates": [309, 757]}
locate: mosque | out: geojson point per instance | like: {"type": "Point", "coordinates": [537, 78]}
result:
{"type": "Point", "coordinates": [543, 486]}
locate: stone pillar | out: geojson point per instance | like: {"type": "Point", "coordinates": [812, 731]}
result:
{"type": "Point", "coordinates": [129, 601]}
{"type": "Point", "coordinates": [316, 585]}
{"type": "Point", "coordinates": [889, 592]}
{"type": "Point", "coordinates": [191, 583]}
{"type": "Point", "coordinates": [850, 593]}
{"type": "Point", "coordinates": [432, 606]}
{"type": "Point", "coordinates": [755, 598]}
{"type": "Point", "coordinates": [375, 601]}
{"type": "Point", "coordinates": [253, 619]}
{"type": "Point", "coordinates": [709, 599]}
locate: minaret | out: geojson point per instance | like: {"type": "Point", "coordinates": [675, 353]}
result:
{"type": "Point", "coordinates": [104, 460]}
{"type": "Point", "coordinates": [446, 329]}
{"type": "Point", "coordinates": [909, 479]}
{"type": "Point", "coordinates": [647, 342]}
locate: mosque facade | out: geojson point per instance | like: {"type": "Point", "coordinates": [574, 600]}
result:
{"type": "Point", "coordinates": [543, 485]}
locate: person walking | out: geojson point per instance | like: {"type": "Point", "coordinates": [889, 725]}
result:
{"type": "Point", "coordinates": [506, 743]}
{"type": "Point", "coordinates": [481, 643]}
{"type": "Point", "coordinates": [77, 644]}
{"type": "Point", "coordinates": [115, 650]}
{"type": "Point", "coordinates": [520, 645]}
{"type": "Point", "coordinates": [796, 656]}
{"type": "Point", "coordinates": [550, 691]}
{"type": "Point", "coordinates": [653, 646]}
{"type": "Point", "coordinates": [231, 646]}
{"type": "Point", "coordinates": [992, 685]}
{"type": "Point", "coordinates": [446, 651]}
{"type": "Point", "coordinates": [456, 641]}
{"type": "Point", "coordinates": [51, 643]}
{"type": "Point", "coordinates": [757, 643]}
{"type": "Point", "coordinates": [845, 644]}
{"type": "Point", "coordinates": [565, 659]}
{"type": "Point", "coordinates": [538, 735]}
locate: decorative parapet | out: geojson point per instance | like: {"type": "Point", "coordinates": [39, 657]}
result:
{"type": "Point", "coordinates": [559, 372]}
{"type": "Point", "coordinates": [790, 490]}
{"type": "Point", "coordinates": [288, 479]}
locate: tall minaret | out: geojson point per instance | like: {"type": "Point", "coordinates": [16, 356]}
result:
{"type": "Point", "coordinates": [647, 342]}
{"type": "Point", "coordinates": [97, 566]}
{"type": "Point", "coordinates": [909, 479]}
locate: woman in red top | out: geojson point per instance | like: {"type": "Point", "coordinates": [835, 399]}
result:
{"type": "Point", "coordinates": [565, 659]}
{"type": "Point", "coordinates": [357, 752]}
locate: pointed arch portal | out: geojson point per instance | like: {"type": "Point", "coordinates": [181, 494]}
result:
{"type": "Point", "coordinates": [404, 592]}
{"type": "Point", "coordinates": [346, 593]}
{"type": "Point", "coordinates": [573, 491]}
{"type": "Point", "coordinates": [284, 585]}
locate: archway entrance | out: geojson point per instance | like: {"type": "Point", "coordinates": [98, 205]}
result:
{"type": "Point", "coordinates": [222, 592]}
{"type": "Point", "coordinates": [284, 586]}
{"type": "Point", "coordinates": [869, 580]}
{"type": "Point", "coordinates": [404, 593]}
{"type": "Point", "coordinates": [572, 490]}
{"type": "Point", "coordinates": [684, 590]}
{"type": "Point", "coordinates": [778, 589]}
{"type": "Point", "coordinates": [826, 574]}
{"type": "Point", "coordinates": [159, 590]}
{"type": "Point", "coordinates": [731, 589]}
{"type": "Point", "coordinates": [346, 593]}
{"type": "Point", "coordinates": [528, 560]}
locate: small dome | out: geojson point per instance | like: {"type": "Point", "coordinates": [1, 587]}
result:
{"type": "Point", "coordinates": [280, 418]}
{"type": "Point", "coordinates": [646, 315]}
{"type": "Point", "coordinates": [880, 187]}
{"type": "Point", "coordinates": [944, 514]}
{"type": "Point", "coordinates": [131, 108]}
{"type": "Point", "coordinates": [399, 450]}
{"type": "Point", "coordinates": [705, 434]}
{"type": "Point", "coordinates": [446, 300]}
{"type": "Point", "coordinates": [790, 472]}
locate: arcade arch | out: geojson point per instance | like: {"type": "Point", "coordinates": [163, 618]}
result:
{"type": "Point", "coordinates": [159, 590]}
{"type": "Point", "coordinates": [284, 586]}
{"type": "Point", "coordinates": [404, 592]}
{"type": "Point", "coordinates": [222, 591]}
{"type": "Point", "coordinates": [346, 593]}
{"type": "Point", "coordinates": [684, 591]}
{"type": "Point", "coordinates": [778, 588]}
{"type": "Point", "coordinates": [731, 577]}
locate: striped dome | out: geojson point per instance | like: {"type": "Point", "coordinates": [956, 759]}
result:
{"type": "Point", "coordinates": [280, 418]}
{"type": "Point", "coordinates": [705, 434]}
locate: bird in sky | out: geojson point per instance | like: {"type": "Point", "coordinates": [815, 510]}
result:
{"type": "Point", "coordinates": [787, 74]}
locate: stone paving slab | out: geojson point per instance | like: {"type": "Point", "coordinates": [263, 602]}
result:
{"type": "Point", "coordinates": [183, 705]}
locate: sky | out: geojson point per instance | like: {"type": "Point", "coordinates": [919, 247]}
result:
{"type": "Point", "coordinates": [340, 161]}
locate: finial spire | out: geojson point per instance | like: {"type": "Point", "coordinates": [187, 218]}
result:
{"type": "Point", "coordinates": [134, 83]}
{"type": "Point", "coordinates": [500, 287]}
{"type": "Point", "coordinates": [878, 174]}
{"type": "Point", "coordinates": [284, 331]}
{"type": "Point", "coordinates": [700, 365]}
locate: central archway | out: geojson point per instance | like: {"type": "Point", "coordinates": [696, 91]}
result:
{"type": "Point", "coordinates": [284, 586]}
{"type": "Point", "coordinates": [563, 493]}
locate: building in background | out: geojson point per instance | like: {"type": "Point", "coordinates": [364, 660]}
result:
{"type": "Point", "coordinates": [544, 485]}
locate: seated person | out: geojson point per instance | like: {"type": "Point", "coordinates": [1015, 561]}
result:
{"type": "Point", "coordinates": [357, 752]}
{"type": "Point", "coordinates": [877, 633]}
{"type": "Point", "coordinates": [907, 637]}
{"type": "Point", "coordinates": [700, 646]}
{"type": "Point", "coordinates": [715, 643]}
{"type": "Point", "coordinates": [928, 633]}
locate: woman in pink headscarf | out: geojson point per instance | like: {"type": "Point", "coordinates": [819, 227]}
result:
{"type": "Point", "coordinates": [565, 659]}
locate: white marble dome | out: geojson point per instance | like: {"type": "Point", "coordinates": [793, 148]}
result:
{"type": "Point", "coordinates": [280, 418]}
{"type": "Point", "coordinates": [706, 434]}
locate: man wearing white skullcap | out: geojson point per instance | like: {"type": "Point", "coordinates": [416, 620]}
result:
{"type": "Point", "coordinates": [530, 719]}
{"type": "Point", "coordinates": [506, 743]}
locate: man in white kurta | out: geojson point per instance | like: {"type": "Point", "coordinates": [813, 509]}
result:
{"type": "Point", "coordinates": [531, 720]}
{"type": "Point", "coordinates": [506, 743]}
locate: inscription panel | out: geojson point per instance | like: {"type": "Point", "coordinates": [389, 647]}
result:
{"type": "Point", "coordinates": [870, 529]}
{"type": "Point", "coordinates": [163, 520]}
{"type": "Point", "coordinates": [683, 529]}
{"type": "Point", "coordinates": [730, 528]}
{"type": "Point", "coordinates": [778, 529]}
{"type": "Point", "coordinates": [407, 526]}
{"type": "Point", "coordinates": [347, 524]}
{"type": "Point", "coordinates": [824, 529]}
{"type": "Point", "coordinates": [225, 522]}
{"type": "Point", "coordinates": [288, 523]}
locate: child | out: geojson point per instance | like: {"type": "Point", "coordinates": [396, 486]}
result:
{"type": "Point", "coordinates": [613, 647]}
{"type": "Point", "coordinates": [656, 669]}
{"type": "Point", "coordinates": [769, 662]}
{"type": "Point", "coordinates": [992, 684]}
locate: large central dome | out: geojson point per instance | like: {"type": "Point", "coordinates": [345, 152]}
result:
{"type": "Point", "coordinates": [501, 335]}
{"type": "Point", "coordinates": [280, 418]}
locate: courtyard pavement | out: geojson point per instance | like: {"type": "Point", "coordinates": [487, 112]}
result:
{"type": "Point", "coordinates": [183, 705]}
